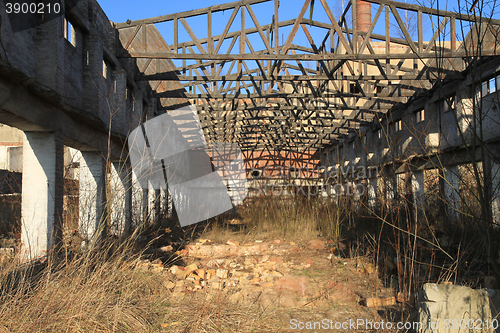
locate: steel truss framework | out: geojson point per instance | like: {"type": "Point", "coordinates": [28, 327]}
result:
{"type": "Point", "coordinates": [266, 95]}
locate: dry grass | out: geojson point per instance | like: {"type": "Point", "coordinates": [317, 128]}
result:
{"type": "Point", "coordinates": [213, 312]}
{"type": "Point", "coordinates": [95, 292]}
{"type": "Point", "coordinates": [111, 290]}
{"type": "Point", "coordinates": [291, 218]}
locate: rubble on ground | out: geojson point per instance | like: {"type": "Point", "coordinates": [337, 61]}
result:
{"type": "Point", "coordinates": [269, 272]}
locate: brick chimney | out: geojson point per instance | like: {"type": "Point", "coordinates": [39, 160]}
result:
{"type": "Point", "coordinates": [363, 15]}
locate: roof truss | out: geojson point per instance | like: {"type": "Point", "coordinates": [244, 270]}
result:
{"type": "Point", "coordinates": [259, 91]}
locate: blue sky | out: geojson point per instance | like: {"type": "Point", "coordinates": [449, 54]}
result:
{"type": "Point", "coordinates": [120, 11]}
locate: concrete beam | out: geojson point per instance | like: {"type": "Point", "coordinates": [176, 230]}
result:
{"type": "Point", "coordinates": [22, 109]}
{"type": "Point", "coordinates": [42, 195]}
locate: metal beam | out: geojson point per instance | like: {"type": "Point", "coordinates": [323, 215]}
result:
{"type": "Point", "coordinates": [304, 57]}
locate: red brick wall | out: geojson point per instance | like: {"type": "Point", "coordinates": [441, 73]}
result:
{"type": "Point", "coordinates": [280, 163]}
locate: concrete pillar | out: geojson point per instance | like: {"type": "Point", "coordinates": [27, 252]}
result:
{"type": "Point", "coordinates": [495, 200]}
{"type": "Point", "coordinates": [170, 203]}
{"type": "Point", "coordinates": [417, 188]}
{"type": "Point", "coordinates": [137, 202]}
{"type": "Point", "coordinates": [165, 203]}
{"type": "Point", "coordinates": [371, 193]}
{"type": "Point", "coordinates": [145, 210]}
{"type": "Point", "coordinates": [491, 181]}
{"type": "Point", "coordinates": [120, 200]}
{"type": "Point", "coordinates": [42, 193]}
{"type": "Point", "coordinates": [381, 189]}
{"type": "Point", "coordinates": [151, 202]}
{"type": "Point", "coordinates": [390, 186]}
{"type": "Point", "coordinates": [401, 185]}
{"type": "Point", "coordinates": [451, 192]}
{"type": "Point", "coordinates": [353, 188]}
{"type": "Point", "coordinates": [157, 205]}
{"type": "Point", "coordinates": [92, 196]}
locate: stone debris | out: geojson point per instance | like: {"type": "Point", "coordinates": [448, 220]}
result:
{"type": "Point", "coordinates": [200, 250]}
{"type": "Point", "coordinates": [200, 272]}
{"type": "Point", "coordinates": [380, 301]}
{"type": "Point", "coordinates": [189, 269]}
{"type": "Point", "coordinates": [366, 267]}
{"type": "Point", "coordinates": [316, 244]}
{"type": "Point", "coordinates": [164, 249]}
{"type": "Point", "coordinates": [6, 255]}
{"type": "Point", "coordinates": [216, 263]}
{"type": "Point", "coordinates": [236, 222]}
{"type": "Point", "coordinates": [178, 271]}
{"type": "Point", "coordinates": [169, 285]}
{"type": "Point", "coordinates": [222, 273]}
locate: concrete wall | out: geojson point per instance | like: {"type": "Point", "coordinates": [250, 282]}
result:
{"type": "Point", "coordinates": [402, 145]}
{"type": "Point", "coordinates": [67, 91]}
{"type": "Point", "coordinates": [70, 74]}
